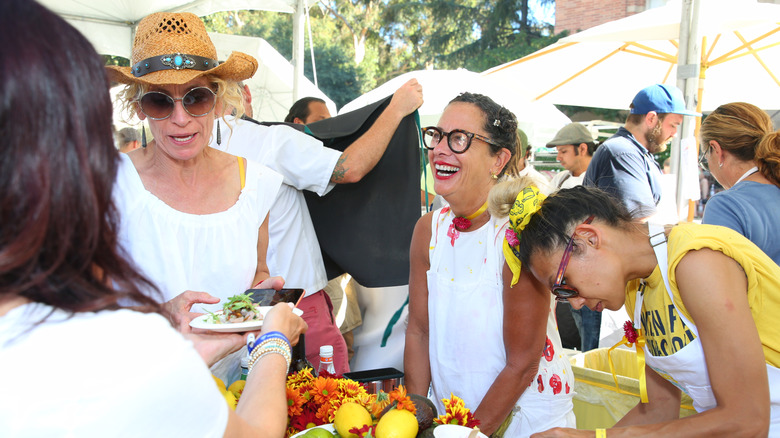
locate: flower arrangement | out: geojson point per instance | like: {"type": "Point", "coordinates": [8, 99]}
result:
{"type": "Point", "coordinates": [456, 412]}
{"type": "Point", "coordinates": [312, 401]}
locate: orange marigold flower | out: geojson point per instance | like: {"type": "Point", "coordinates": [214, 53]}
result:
{"type": "Point", "coordinates": [300, 379]}
{"type": "Point", "coordinates": [404, 402]}
{"type": "Point", "coordinates": [456, 412]}
{"type": "Point", "coordinates": [350, 388]}
{"type": "Point", "coordinates": [327, 412]}
{"type": "Point", "coordinates": [295, 402]}
{"type": "Point", "coordinates": [324, 390]}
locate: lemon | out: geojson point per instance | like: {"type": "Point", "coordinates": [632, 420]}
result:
{"type": "Point", "coordinates": [237, 388]}
{"type": "Point", "coordinates": [220, 383]}
{"type": "Point", "coordinates": [397, 423]}
{"type": "Point", "coordinates": [351, 415]}
{"type": "Point", "coordinates": [231, 399]}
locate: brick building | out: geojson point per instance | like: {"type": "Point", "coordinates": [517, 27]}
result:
{"type": "Point", "coordinates": [577, 15]}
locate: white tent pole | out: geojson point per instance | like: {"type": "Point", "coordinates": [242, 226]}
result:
{"type": "Point", "coordinates": [311, 48]}
{"type": "Point", "coordinates": [298, 47]}
{"type": "Point", "coordinates": [687, 80]}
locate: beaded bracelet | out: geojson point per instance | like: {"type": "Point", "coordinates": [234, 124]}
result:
{"type": "Point", "coordinates": [254, 343]}
{"type": "Point", "coordinates": [270, 346]}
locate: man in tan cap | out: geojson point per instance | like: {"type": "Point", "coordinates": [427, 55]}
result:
{"type": "Point", "coordinates": [575, 146]}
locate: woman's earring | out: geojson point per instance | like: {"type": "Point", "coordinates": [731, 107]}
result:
{"type": "Point", "coordinates": [720, 164]}
{"type": "Point", "coordinates": [493, 175]}
{"type": "Point", "coordinates": [143, 136]}
{"type": "Point", "coordinates": [219, 134]}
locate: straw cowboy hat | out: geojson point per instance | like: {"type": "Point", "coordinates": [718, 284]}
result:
{"type": "Point", "coordinates": [174, 48]}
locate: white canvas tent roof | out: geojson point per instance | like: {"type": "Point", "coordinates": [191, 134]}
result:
{"type": "Point", "coordinates": [272, 84]}
{"type": "Point", "coordinates": [110, 24]}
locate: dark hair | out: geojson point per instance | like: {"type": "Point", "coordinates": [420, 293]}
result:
{"type": "Point", "coordinates": [499, 123]}
{"type": "Point", "coordinates": [591, 148]}
{"type": "Point", "coordinates": [126, 135]}
{"type": "Point", "coordinates": [746, 132]}
{"type": "Point", "coordinates": [300, 109]}
{"type": "Point", "coordinates": [58, 239]}
{"type": "Point", "coordinates": [551, 227]}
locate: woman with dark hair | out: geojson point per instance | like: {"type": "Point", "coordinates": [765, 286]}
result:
{"type": "Point", "coordinates": [704, 302]}
{"type": "Point", "coordinates": [740, 139]}
{"type": "Point", "coordinates": [73, 363]}
{"type": "Point", "coordinates": [474, 330]}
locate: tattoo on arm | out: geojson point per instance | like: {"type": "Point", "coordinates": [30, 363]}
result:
{"type": "Point", "coordinates": [339, 171]}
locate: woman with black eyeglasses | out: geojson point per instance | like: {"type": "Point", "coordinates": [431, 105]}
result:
{"type": "Point", "coordinates": [741, 149]}
{"type": "Point", "coordinates": [704, 302]}
{"type": "Point", "coordinates": [470, 333]}
{"type": "Point", "coordinates": [194, 219]}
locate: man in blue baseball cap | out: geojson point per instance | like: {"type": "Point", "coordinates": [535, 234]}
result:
{"type": "Point", "coordinates": [624, 165]}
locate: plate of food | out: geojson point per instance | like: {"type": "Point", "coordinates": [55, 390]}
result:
{"type": "Point", "coordinates": [239, 314]}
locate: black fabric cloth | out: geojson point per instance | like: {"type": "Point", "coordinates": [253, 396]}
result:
{"type": "Point", "coordinates": [567, 328]}
{"type": "Point", "coordinates": [366, 228]}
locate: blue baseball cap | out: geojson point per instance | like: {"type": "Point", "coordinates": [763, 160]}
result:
{"type": "Point", "coordinates": [662, 99]}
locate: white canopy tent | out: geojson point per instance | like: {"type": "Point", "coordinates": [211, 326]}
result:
{"type": "Point", "coordinates": [734, 44]}
{"type": "Point", "coordinates": [272, 84]}
{"type": "Point", "coordinates": [540, 121]}
{"type": "Point", "coordinates": [110, 24]}
{"type": "Point", "coordinates": [606, 65]}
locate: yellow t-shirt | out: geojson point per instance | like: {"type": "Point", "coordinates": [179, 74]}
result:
{"type": "Point", "coordinates": [664, 329]}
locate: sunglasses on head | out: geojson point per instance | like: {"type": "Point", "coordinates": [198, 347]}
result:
{"type": "Point", "coordinates": [560, 289]}
{"type": "Point", "coordinates": [159, 106]}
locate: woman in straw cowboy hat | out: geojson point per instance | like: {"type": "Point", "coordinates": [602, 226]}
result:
{"type": "Point", "coordinates": [73, 362]}
{"type": "Point", "coordinates": [194, 219]}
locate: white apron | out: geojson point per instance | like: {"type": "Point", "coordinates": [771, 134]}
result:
{"type": "Point", "coordinates": [466, 342]}
{"type": "Point", "coordinates": [687, 368]}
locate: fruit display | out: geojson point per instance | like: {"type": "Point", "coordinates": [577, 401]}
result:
{"type": "Point", "coordinates": [329, 406]}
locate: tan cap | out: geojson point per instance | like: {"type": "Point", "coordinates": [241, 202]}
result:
{"type": "Point", "coordinates": [573, 133]}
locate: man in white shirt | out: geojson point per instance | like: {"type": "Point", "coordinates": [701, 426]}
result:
{"type": "Point", "coordinates": [575, 146]}
{"type": "Point", "coordinates": [294, 251]}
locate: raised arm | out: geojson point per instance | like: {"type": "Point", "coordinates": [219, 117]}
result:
{"type": "Point", "coordinates": [526, 309]}
{"type": "Point", "coordinates": [361, 156]}
{"type": "Point", "coordinates": [417, 364]}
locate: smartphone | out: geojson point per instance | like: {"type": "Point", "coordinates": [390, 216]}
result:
{"type": "Point", "coordinates": [270, 297]}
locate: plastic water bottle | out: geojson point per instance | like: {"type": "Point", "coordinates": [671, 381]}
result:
{"type": "Point", "coordinates": [326, 360]}
{"type": "Point", "coordinates": [244, 367]}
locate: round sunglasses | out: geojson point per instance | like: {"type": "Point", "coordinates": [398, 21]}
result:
{"type": "Point", "coordinates": [458, 140]}
{"type": "Point", "coordinates": [159, 106]}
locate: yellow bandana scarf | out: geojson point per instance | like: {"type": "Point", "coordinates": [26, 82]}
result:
{"type": "Point", "coordinates": [528, 202]}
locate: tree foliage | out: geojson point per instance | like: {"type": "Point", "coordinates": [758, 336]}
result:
{"type": "Point", "coordinates": [359, 44]}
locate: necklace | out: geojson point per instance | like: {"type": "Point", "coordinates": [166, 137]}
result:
{"type": "Point", "coordinates": [463, 223]}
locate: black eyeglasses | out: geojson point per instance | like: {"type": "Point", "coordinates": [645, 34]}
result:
{"type": "Point", "coordinates": [159, 106]}
{"type": "Point", "coordinates": [458, 140]}
{"type": "Point", "coordinates": [560, 289]}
